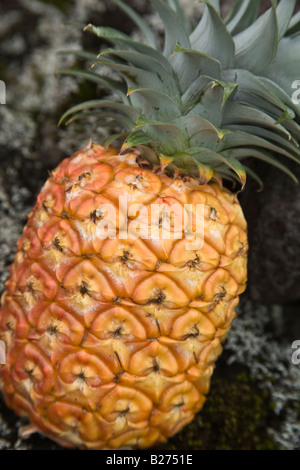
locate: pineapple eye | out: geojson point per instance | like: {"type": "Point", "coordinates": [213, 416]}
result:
{"type": "Point", "coordinates": [193, 263]}
{"type": "Point", "coordinates": [137, 183]}
{"type": "Point", "coordinates": [193, 333]}
{"type": "Point", "coordinates": [57, 244]}
{"type": "Point", "coordinates": [52, 330]}
{"type": "Point", "coordinates": [125, 257]}
{"type": "Point", "coordinates": [81, 376]}
{"type": "Point", "coordinates": [84, 175]}
{"type": "Point", "coordinates": [124, 412]}
{"type": "Point", "coordinates": [84, 289]}
{"type": "Point", "coordinates": [158, 298]}
{"type": "Point", "coordinates": [9, 326]}
{"type": "Point", "coordinates": [213, 214]}
{"type": "Point", "coordinates": [65, 215]}
{"type": "Point", "coordinates": [220, 295]}
{"type": "Point", "coordinates": [181, 403]}
{"type": "Point", "coordinates": [156, 366]}
{"type": "Point", "coordinates": [118, 375]}
{"type": "Point", "coordinates": [117, 333]}
{"type": "Point", "coordinates": [95, 216]}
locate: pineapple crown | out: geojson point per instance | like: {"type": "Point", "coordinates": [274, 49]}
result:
{"type": "Point", "coordinates": [212, 96]}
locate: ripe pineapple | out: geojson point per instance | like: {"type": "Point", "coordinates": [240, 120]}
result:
{"type": "Point", "coordinates": [111, 342]}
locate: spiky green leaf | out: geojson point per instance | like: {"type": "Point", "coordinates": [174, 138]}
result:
{"type": "Point", "coordinates": [122, 109]}
{"type": "Point", "coordinates": [238, 113]}
{"type": "Point", "coordinates": [142, 62]}
{"type": "Point", "coordinates": [212, 38]}
{"type": "Point", "coordinates": [119, 87]}
{"type": "Point", "coordinates": [261, 155]}
{"type": "Point", "coordinates": [155, 103]}
{"type": "Point", "coordinates": [139, 21]}
{"type": "Point", "coordinates": [190, 65]}
{"type": "Point", "coordinates": [242, 15]}
{"type": "Point", "coordinates": [294, 26]}
{"type": "Point", "coordinates": [285, 11]}
{"type": "Point", "coordinates": [285, 68]}
{"type": "Point", "coordinates": [79, 53]}
{"type": "Point", "coordinates": [123, 41]}
{"type": "Point", "coordinates": [174, 27]}
{"type": "Point", "coordinates": [256, 46]}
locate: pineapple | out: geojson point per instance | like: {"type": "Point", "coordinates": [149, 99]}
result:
{"type": "Point", "coordinates": [112, 340]}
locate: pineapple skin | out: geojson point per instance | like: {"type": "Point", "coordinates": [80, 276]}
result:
{"type": "Point", "coordinates": [112, 343]}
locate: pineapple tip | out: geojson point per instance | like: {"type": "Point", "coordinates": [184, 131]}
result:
{"type": "Point", "coordinates": [87, 26]}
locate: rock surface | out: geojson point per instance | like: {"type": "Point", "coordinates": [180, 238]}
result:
{"type": "Point", "coordinates": [273, 217]}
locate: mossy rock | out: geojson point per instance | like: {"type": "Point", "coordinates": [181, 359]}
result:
{"type": "Point", "coordinates": [235, 417]}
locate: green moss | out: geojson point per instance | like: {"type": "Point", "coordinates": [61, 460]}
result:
{"type": "Point", "coordinates": [235, 416]}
